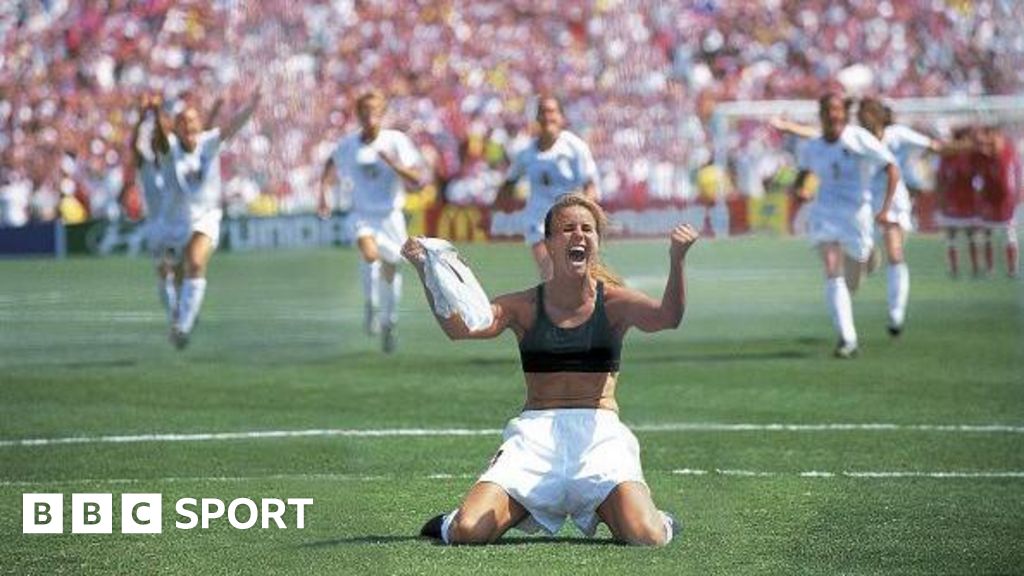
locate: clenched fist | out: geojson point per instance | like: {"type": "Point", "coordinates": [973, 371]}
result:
{"type": "Point", "coordinates": [683, 236]}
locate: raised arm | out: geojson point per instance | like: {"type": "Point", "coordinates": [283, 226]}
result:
{"type": "Point", "coordinates": [455, 328]}
{"type": "Point", "coordinates": [794, 128]}
{"type": "Point", "coordinates": [235, 124]}
{"type": "Point", "coordinates": [136, 154]}
{"type": "Point", "coordinates": [161, 145]}
{"type": "Point", "coordinates": [211, 117]}
{"type": "Point", "coordinates": [648, 314]}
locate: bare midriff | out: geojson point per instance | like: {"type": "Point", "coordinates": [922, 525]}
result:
{"type": "Point", "coordinates": [546, 391]}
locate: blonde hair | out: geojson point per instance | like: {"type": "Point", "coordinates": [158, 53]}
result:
{"type": "Point", "coordinates": [370, 95]}
{"type": "Point", "coordinates": [598, 269]}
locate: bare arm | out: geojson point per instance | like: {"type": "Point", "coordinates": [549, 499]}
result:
{"type": "Point", "coordinates": [590, 191]}
{"type": "Point", "coordinates": [327, 179]}
{"type": "Point", "coordinates": [135, 153]}
{"type": "Point", "coordinates": [648, 314]}
{"type": "Point", "coordinates": [505, 193]}
{"type": "Point", "coordinates": [235, 124]}
{"type": "Point", "coordinates": [211, 118]}
{"type": "Point", "coordinates": [161, 145]}
{"type": "Point", "coordinates": [893, 174]}
{"type": "Point", "coordinates": [794, 128]}
{"type": "Point", "coordinates": [410, 174]}
{"type": "Point", "coordinates": [454, 327]}
{"type": "Point", "coordinates": [799, 187]}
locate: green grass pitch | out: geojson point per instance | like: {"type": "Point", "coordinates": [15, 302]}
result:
{"type": "Point", "coordinates": [752, 434]}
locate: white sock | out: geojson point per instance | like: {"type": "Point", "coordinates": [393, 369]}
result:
{"type": "Point", "coordinates": [446, 525]}
{"type": "Point", "coordinates": [192, 292]}
{"type": "Point", "coordinates": [168, 296]}
{"type": "Point", "coordinates": [390, 294]}
{"type": "Point", "coordinates": [370, 274]}
{"type": "Point", "coordinates": [841, 307]}
{"type": "Point", "coordinates": [898, 292]}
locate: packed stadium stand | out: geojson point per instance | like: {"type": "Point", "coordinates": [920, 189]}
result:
{"type": "Point", "coordinates": [639, 80]}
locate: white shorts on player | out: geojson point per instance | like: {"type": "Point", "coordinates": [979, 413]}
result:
{"type": "Point", "coordinates": [387, 229]}
{"type": "Point", "coordinates": [564, 463]}
{"type": "Point", "coordinates": [174, 234]}
{"type": "Point", "coordinates": [900, 210]}
{"type": "Point", "coordinates": [851, 227]}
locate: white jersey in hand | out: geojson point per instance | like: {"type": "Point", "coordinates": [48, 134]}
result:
{"type": "Point", "coordinates": [453, 285]}
{"type": "Point", "coordinates": [566, 166]}
{"type": "Point", "coordinates": [376, 188]}
{"type": "Point", "coordinates": [845, 167]}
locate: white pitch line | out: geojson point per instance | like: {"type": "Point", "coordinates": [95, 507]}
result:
{"type": "Point", "coordinates": [453, 432]}
{"type": "Point", "coordinates": [873, 475]}
{"type": "Point", "coordinates": [732, 473]}
{"type": "Point", "coordinates": [250, 435]}
{"type": "Point", "coordinates": [834, 427]}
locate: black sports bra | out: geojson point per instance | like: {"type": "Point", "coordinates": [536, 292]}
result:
{"type": "Point", "coordinates": [589, 347]}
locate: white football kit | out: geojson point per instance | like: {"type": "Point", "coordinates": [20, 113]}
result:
{"type": "Point", "coordinates": [567, 166]}
{"type": "Point", "coordinates": [902, 142]}
{"type": "Point", "coordinates": [194, 177]}
{"type": "Point", "coordinates": [842, 210]}
{"type": "Point", "coordinates": [377, 191]}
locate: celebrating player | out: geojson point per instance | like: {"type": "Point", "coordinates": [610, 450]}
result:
{"type": "Point", "coordinates": [155, 198]}
{"type": "Point", "coordinates": [554, 163]}
{"type": "Point", "coordinates": [844, 159]}
{"type": "Point", "coordinates": [190, 163]}
{"type": "Point", "coordinates": [378, 164]}
{"type": "Point", "coordinates": [567, 453]}
{"type": "Point", "coordinates": [901, 141]}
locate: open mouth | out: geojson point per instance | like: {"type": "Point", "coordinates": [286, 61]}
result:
{"type": "Point", "coordinates": [577, 254]}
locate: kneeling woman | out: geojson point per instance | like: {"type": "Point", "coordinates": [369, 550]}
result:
{"type": "Point", "coordinates": [567, 454]}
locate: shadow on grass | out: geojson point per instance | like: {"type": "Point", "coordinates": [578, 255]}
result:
{"type": "Point", "coordinates": [75, 364]}
{"type": "Point", "coordinates": [515, 541]}
{"type": "Point", "coordinates": [738, 356]}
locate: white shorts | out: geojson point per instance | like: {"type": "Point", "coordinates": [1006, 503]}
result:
{"type": "Point", "coordinates": [208, 224]}
{"type": "Point", "coordinates": [899, 210]}
{"type": "Point", "coordinates": [851, 228]}
{"type": "Point", "coordinates": [564, 463]}
{"type": "Point", "coordinates": [177, 233]}
{"type": "Point", "coordinates": [387, 229]}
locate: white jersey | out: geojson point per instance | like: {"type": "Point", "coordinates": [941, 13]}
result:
{"type": "Point", "coordinates": [195, 175]}
{"type": "Point", "coordinates": [905, 142]}
{"type": "Point", "coordinates": [566, 166]}
{"type": "Point", "coordinates": [845, 167]}
{"type": "Point", "coordinates": [902, 142]}
{"type": "Point", "coordinates": [376, 188]}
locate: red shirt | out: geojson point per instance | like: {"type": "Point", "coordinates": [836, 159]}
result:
{"type": "Point", "coordinates": [1000, 185]}
{"type": "Point", "coordinates": [955, 185]}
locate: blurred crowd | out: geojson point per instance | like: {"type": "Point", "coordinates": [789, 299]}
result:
{"type": "Point", "coordinates": [638, 80]}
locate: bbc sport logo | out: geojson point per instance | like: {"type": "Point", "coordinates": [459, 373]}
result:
{"type": "Point", "coordinates": [93, 513]}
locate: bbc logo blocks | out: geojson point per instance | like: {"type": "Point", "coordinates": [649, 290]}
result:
{"type": "Point", "coordinates": [91, 513]}
{"type": "Point", "coordinates": [143, 513]}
